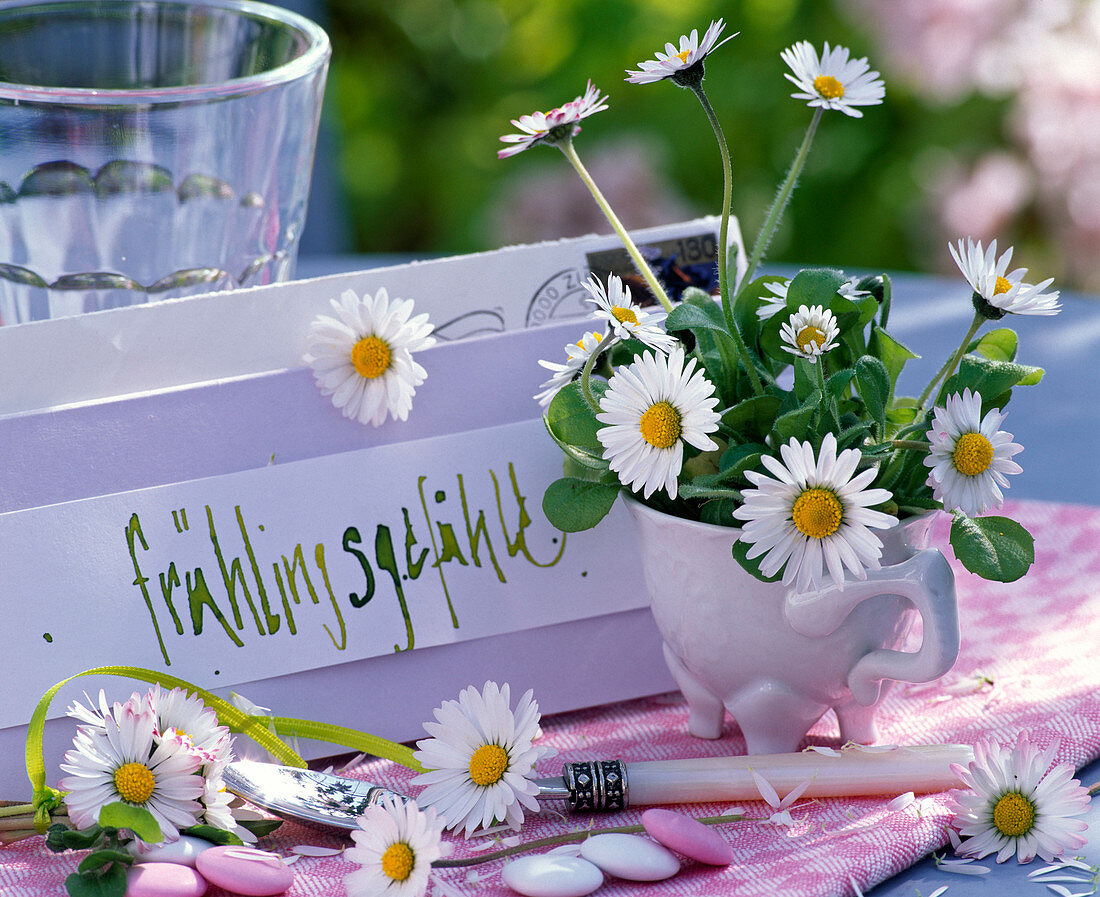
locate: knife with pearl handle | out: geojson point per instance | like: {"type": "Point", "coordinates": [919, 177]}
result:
{"type": "Point", "coordinates": [327, 800]}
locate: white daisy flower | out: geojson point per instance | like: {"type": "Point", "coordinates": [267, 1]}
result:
{"type": "Point", "coordinates": [777, 302]}
{"type": "Point", "coordinates": [810, 332]}
{"type": "Point", "coordinates": [970, 455]}
{"type": "Point", "coordinates": [834, 81]}
{"type": "Point", "coordinates": [363, 356]}
{"type": "Point", "coordinates": [577, 354]}
{"type": "Point", "coordinates": [814, 513]}
{"type": "Point", "coordinates": [185, 716]}
{"type": "Point", "coordinates": [1017, 804]}
{"type": "Point", "coordinates": [998, 291]}
{"type": "Point", "coordinates": [124, 763]}
{"type": "Point", "coordinates": [673, 62]}
{"type": "Point", "coordinates": [395, 846]}
{"type": "Point", "coordinates": [555, 125]}
{"type": "Point", "coordinates": [479, 759]}
{"type": "Point", "coordinates": [627, 320]}
{"type": "Point", "coordinates": [651, 408]}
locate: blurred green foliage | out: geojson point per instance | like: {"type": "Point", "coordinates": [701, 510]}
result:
{"type": "Point", "coordinates": [425, 88]}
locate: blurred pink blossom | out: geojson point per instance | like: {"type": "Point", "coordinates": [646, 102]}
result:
{"type": "Point", "coordinates": [982, 202]}
{"type": "Point", "coordinates": [1044, 56]}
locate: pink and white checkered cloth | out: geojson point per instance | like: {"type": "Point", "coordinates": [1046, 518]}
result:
{"type": "Point", "coordinates": [1028, 662]}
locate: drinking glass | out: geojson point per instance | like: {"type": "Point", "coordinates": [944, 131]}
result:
{"type": "Point", "coordinates": [151, 149]}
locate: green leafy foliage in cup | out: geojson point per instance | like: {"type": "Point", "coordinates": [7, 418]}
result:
{"type": "Point", "coordinates": [773, 407]}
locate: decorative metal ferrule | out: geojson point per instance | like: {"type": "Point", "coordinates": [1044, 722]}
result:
{"type": "Point", "coordinates": [596, 786]}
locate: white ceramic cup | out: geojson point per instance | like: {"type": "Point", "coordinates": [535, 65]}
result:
{"type": "Point", "coordinates": [777, 659]}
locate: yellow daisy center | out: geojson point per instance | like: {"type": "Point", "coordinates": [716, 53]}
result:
{"type": "Point", "coordinates": [809, 334]}
{"type": "Point", "coordinates": [1003, 286]}
{"type": "Point", "coordinates": [624, 315]}
{"type": "Point", "coordinates": [972, 455]}
{"type": "Point", "coordinates": [598, 336]}
{"type": "Point", "coordinates": [660, 425]}
{"type": "Point", "coordinates": [828, 87]}
{"type": "Point", "coordinates": [1014, 815]}
{"type": "Point", "coordinates": [682, 56]}
{"type": "Point", "coordinates": [371, 356]}
{"type": "Point", "coordinates": [397, 861]}
{"type": "Point", "coordinates": [817, 513]}
{"type": "Point", "coordinates": [488, 765]}
{"type": "Point", "coordinates": [134, 782]}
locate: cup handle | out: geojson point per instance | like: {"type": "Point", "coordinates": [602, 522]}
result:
{"type": "Point", "coordinates": [926, 580]}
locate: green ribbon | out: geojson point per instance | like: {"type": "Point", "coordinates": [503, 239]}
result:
{"type": "Point", "coordinates": [47, 799]}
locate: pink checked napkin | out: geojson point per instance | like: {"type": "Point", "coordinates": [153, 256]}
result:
{"type": "Point", "coordinates": [1028, 662]}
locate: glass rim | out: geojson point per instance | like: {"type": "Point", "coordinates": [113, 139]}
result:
{"type": "Point", "coordinates": [316, 55]}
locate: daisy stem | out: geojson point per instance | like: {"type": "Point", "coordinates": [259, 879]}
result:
{"type": "Point", "coordinates": [723, 239]}
{"type": "Point", "coordinates": [16, 810]}
{"type": "Point", "coordinates": [949, 366]}
{"type": "Point", "coordinates": [567, 148]}
{"type": "Point", "coordinates": [586, 373]}
{"type": "Point", "coordinates": [775, 213]}
{"type": "Point", "coordinates": [913, 444]}
{"type": "Point", "coordinates": [818, 369]}
{"type": "Point", "coordinates": [569, 838]}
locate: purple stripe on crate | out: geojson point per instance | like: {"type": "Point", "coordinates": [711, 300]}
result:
{"type": "Point", "coordinates": [224, 426]}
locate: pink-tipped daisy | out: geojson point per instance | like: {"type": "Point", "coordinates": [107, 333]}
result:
{"type": "Point", "coordinates": [126, 763]}
{"type": "Point", "coordinates": [554, 126]}
{"type": "Point", "coordinates": [1017, 804]}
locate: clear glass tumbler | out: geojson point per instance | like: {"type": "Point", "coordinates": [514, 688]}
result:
{"type": "Point", "coordinates": [151, 149]}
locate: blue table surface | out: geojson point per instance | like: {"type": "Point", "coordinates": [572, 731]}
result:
{"type": "Point", "coordinates": [1058, 426]}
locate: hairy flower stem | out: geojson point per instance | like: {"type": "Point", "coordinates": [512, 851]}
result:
{"type": "Point", "coordinates": [911, 444]}
{"type": "Point", "coordinates": [640, 263]}
{"type": "Point", "coordinates": [569, 838]}
{"type": "Point", "coordinates": [775, 213]}
{"type": "Point", "coordinates": [17, 822]}
{"type": "Point", "coordinates": [949, 366]}
{"type": "Point", "coordinates": [723, 240]}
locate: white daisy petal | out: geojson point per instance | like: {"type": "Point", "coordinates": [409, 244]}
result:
{"type": "Point", "coordinates": [363, 361]}
{"type": "Point", "coordinates": [479, 759]}
{"type": "Point", "coordinates": [820, 523]}
{"type": "Point", "coordinates": [651, 408]}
